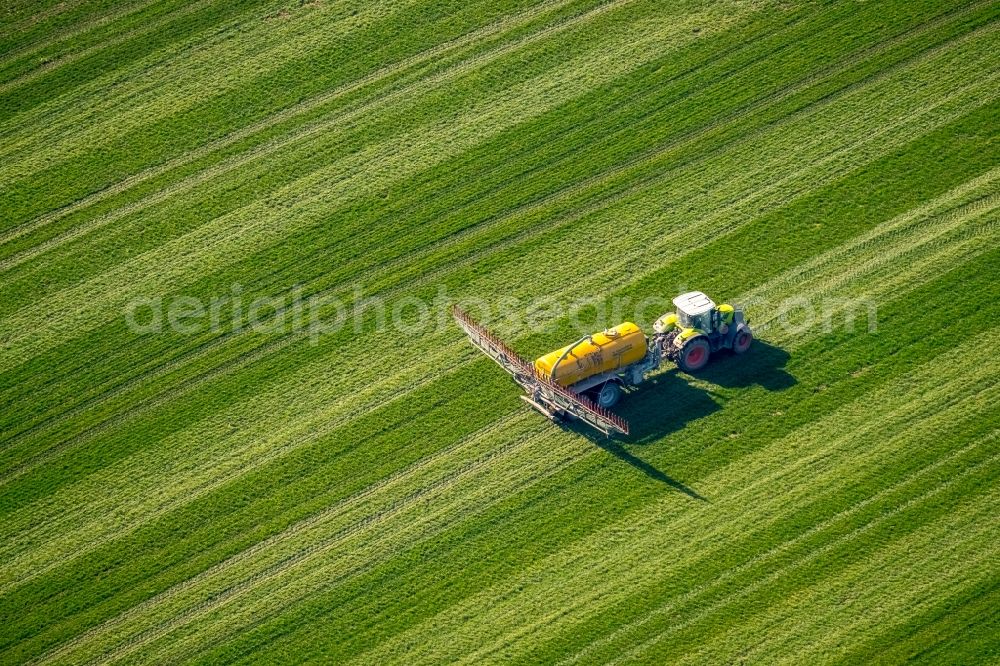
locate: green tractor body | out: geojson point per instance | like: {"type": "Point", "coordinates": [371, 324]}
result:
{"type": "Point", "coordinates": [698, 328]}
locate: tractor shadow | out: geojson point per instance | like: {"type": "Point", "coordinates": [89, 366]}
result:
{"type": "Point", "coordinates": [668, 401]}
{"type": "Point", "coordinates": [763, 365]}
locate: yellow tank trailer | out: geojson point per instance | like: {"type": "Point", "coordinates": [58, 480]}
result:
{"type": "Point", "coordinates": [595, 354]}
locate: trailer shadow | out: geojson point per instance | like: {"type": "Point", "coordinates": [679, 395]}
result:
{"type": "Point", "coordinates": [618, 450]}
{"type": "Point", "coordinates": [667, 402]}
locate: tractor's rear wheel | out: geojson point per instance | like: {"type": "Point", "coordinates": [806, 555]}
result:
{"type": "Point", "coordinates": [609, 395]}
{"type": "Point", "coordinates": [742, 341]}
{"type": "Point", "coordinates": [694, 355]}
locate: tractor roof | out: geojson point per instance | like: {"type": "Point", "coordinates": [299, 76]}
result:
{"type": "Point", "coordinates": [693, 303]}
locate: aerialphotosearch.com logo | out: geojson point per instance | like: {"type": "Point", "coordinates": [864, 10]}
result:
{"type": "Point", "coordinates": [318, 315]}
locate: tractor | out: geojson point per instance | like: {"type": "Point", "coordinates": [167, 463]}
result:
{"type": "Point", "coordinates": [698, 328]}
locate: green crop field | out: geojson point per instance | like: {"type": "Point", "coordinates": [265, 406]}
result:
{"type": "Point", "coordinates": [238, 424]}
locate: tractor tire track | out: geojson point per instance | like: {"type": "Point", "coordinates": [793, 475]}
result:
{"type": "Point", "coordinates": [416, 61]}
{"type": "Point", "coordinates": [312, 129]}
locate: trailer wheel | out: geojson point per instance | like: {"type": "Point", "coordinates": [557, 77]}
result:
{"type": "Point", "coordinates": [742, 341]}
{"type": "Point", "coordinates": [609, 395]}
{"type": "Point", "coordinates": [694, 355]}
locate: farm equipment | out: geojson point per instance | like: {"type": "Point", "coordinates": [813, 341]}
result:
{"type": "Point", "coordinates": [586, 378]}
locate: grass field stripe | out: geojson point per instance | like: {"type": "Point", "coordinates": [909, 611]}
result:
{"type": "Point", "coordinates": [747, 591]}
{"type": "Point", "coordinates": [967, 245]}
{"type": "Point", "coordinates": [77, 30]}
{"type": "Point", "coordinates": [266, 454]}
{"type": "Point", "coordinates": [861, 407]}
{"type": "Point", "coordinates": [456, 348]}
{"type": "Point", "coordinates": [20, 24]}
{"type": "Point", "coordinates": [592, 594]}
{"type": "Point", "coordinates": [189, 56]}
{"type": "Point", "coordinates": [268, 457]}
{"type": "Point", "coordinates": [269, 499]}
{"type": "Point", "coordinates": [153, 88]}
{"type": "Point", "coordinates": [385, 485]}
{"type": "Point", "coordinates": [920, 30]}
{"type": "Point", "coordinates": [888, 558]}
{"type": "Point", "coordinates": [933, 236]}
{"type": "Point", "coordinates": [298, 109]}
{"type": "Point", "coordinates": [172, 366]}
{"type": "Point", "coordinates": [971, 191]}
{"type": "Point", "coordinates": [190, 8]}
{"type": "Point", "coordinates": [324, 584]}
{"type": "Point", "coordinates": [313, 129]}
{"type": "Point", "coordinates": [391, 162]}
{"type": "Point", "coordinates": [175, 392]}
{"type": "Point", "coordinates": [693, 237]}
{"type": "Point", "coordinates": [778, 549]}
{"type": "Point", "coordinates": [757, 481]}
{"type": "Point", "coordinates": [974, 86]}
{"type": "Point", "coordinates": [474, 503]}
{"type": "Point", "coordinates": [499, 27]}
{"type": "Point", "coordinates": [560, 563]}
{"type": "Point", "coordinates": [59, 212]}
{"type": "Point", "coordinates": [966, 567]}
{"type": "Point", "coordinates": [527, 633]}
{"type": "Point", "coordinates": [263, 452]}
{"type": "Point", "coordinates": [310, 130]}
{"type": "Point", "coordinates": [363, 108]}
{"type": "Point", "coordinates": [940, 526]}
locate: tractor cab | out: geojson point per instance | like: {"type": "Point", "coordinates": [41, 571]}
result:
{"type": "Point", "coordinates": [696, 310]}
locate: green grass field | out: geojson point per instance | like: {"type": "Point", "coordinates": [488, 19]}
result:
{"type": "Point", "coordinates": [368, 495]}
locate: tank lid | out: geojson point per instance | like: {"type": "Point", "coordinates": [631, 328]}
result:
{"type": "Point", "coordinates": [694, 303]}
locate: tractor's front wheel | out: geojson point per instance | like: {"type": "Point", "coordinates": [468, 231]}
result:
{"type": "Point", "coordinates": [694, 355]}
{"type": "Point", "coordinates": [742, 341]}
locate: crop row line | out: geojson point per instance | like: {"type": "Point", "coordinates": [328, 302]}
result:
{"type": "Point", "coordinates": [603, 589]}
{"type": "Point", "coordinates": [942, 528]}
{"type": "Point", "coordinates": [472, 259]}
{"type": "Point", "coordinates": [452, 240]}
{"type": "Point", "coordinates": [424, 523]}
{"type": "Point", "coordinates": [584, 600]}
{"type": "Point", "coordinates": [76, 30]}
{"type": "Point", "coordinates": [908, 589]}
{"type": "Point", "coordinates": [147, 28]}
{"type": "Point", "coordinates": [118, 519]}
{"type": "Point", "coordinates": [777, 550]}
{"type": "Point", "coordinates": [414, 482]}
{"type": "Point", "coordinates": [180, 71]}
{"type": "Point", "coordinates": [499, 27]}
{"type": "Point", "coordinates": [337, 120]}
